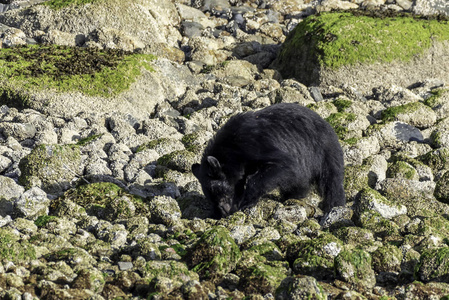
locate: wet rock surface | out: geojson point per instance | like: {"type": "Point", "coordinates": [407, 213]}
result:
{"type": "Point", "coordinates": [97, 198]}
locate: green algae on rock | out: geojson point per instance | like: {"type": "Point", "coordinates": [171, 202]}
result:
{"type": "Point", "coordinates": [442, 188]}
{"type": "Point", "coordinates": [14, 249]}
{"type": "Point", "coordinates": [355, 267]}
{"type": "Point", "coordinates": [387, 258]}
{"type": "Point", "coordinates": [338, 40]}
{"type": "Point", "coordinates": [58, 4]}
{"type": "Point", "coordinates": [316, 256]}
{"type": "Point", "coordinates": [301, 287]}
{"type": "Point", "coordinates": [214, 255]}
{"type": "Point", "coordinates": [88, 70]}
{"type": "Point", "coordinates": [103, 199]}
{"type": "Point", "coordinates": [51, 167]}
{"type": "Point", "coordinates": [261, 269]}
{"type": "Point", "coordinates": [433, 265]}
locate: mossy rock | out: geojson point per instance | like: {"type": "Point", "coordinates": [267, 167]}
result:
{"type": "Point", "coordinates": [381, 227]}
{"type": "Point", "coordinates": [435, 225]}
{"type": "Point", "coordinates": [415, 114]}
{"type": "Point", "coordinates": [181, 160]}
{"type": "Point", "coordinates": [13, 249]}
{"type": "Point", "coordinates": [403, 170]}
{"type": "Point", "coordinates": [325, 47]}
{"type": "Point", "coordinates": [263, 278]}
{"type": "Point", "coordinates": [340, 121]}
{"type": "Point", "coordinates": [387, 258]}
{"type": "Point", "coordinates": [88, 70]}
{"type": "Point", "coordinates": [261, 269]}
{"type": "Point", "coordinates": [73, 256]}
{"type": "Point", "coordinates": [355, 180]}
{"type": "Point", "coordinates": [436, 159]}
{"type": "Point", "coordinates": [162, 146]}
{"type": "Point", "coordinates": [434, 265]}
{"type": "Point", "coordinates": [175, 270]}
{"type": "Point", "coordinates": [301, 287]}
{"type": "Point", "coordinates": [370, 199]}
{"type": "Point", "coordinates": [315, 257]}
{"type": "Point", "coordinates": [51, 167]}
{"type": "Point", "coordinates": [355, 267]}
{"type": "Point", "coordinates": [105, 200]}
{"type": "Point", "coordinates": [214, 255]}
{"type": "Point", "coordinates": [442, 188]}
{"type": "Point", "coordinates": [355, 237]}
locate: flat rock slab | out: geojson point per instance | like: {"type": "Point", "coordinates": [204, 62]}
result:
{"type": "Point", "coordinates": [365, 51]}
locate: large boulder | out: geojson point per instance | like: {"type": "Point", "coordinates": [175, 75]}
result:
{"type": "Point", "coordinates": [365, 49]}
{"type": "Point", "coordinates": [110, 24]}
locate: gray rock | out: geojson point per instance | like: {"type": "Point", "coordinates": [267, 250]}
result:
{"type": "Point", "coordinates": [300, 287]}
{"type": "Point", "coordinates": [9, 189]}
{"type": "Point", "coordinates": [13, 37]}
{"type": "Point", "coordinates": [241, 233]}
{"type": "Point", "coordinates": [395, 134]}
{"type": "Point", "coordinates": [316, 94]}
{"type": "Point", "coordinates": [291, 213]}
{"type": "Point", "coordinates": [372, 200]}
{"type": "Point", "coordinates": [125, 265]}
{"type": "Point", "coordinates": [18, 131]}
{"type": "Point", "coordinates": [164, 210]}
{"type": "Point", "coordinates": [51, 167]}
{"type": "Point", "coordinates": [431, 7]}
{"type": "Point", "coordinates": [191, 29]}
{"type": "Point", "coordinates": [337, 217]}
{"type": "Point", "coordinates": [32, 203]}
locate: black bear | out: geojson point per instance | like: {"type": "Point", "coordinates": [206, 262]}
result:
{"type": "Point", "coordinates": [285, 146]}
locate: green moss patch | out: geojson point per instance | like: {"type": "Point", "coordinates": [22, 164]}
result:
{"type": "Point", "coordinates": [93, 72]}
{"type": "Point", "coordinates": [58, 4]}
{"type": "Point", "coordinates": [436, 159]}
{"type": "Point", "coordinates": [104, 199]}
{"type": "Point", "coordinates": [41, 221]}
{"type": "Point", "coordinates": [13, 249]}
{"type": "Point", "coordinates": [339, 122]}
{"type": "Point", "coordinates": [355, 267]}
{"type": "Point", "coordinates": [436, 95]}
{"type": "Point", "coordinates": [434, 265]}
{"type": "Point", "coordinates": [215, 254]}
{"type": "Point", "coordinates": [341, 38]}
{"type": "Point", "coordinates": [342, 104]}
{"type": "Point", "coordinates": [50, 165]}
{"type": "Point", "coordinates": [390, 113]}
{"type": "Point", "coordinates": [315, 257]}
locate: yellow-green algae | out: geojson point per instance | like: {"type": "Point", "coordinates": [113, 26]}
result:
{"type": "Point", "coordinates": [309, 257]}
{"type": "Point", "coordinates": [402, 169]}
{"type": "Point", "coordinates": [58, 4]}
{"type": "Point", "coordinates": [91, 71]}
{"type": "Point", "coordinates": [99, 193]}
{"type": "Point", "coordinates": [14, 249]}
{"type": "Point", "coordinates": [336, 39]}
{"type": "Point", "coordinates": [41, 221]}
{"type": "Point", "coordinates": [391, 113]}
{"type": "Point", "coordinates": [433, 265]}
{"type": "Point", "coordinates": [215, 254]}
{"type": "Point", "coordinates": [339, 122]}
{"type": "Point", "coordinates": [50, 164]}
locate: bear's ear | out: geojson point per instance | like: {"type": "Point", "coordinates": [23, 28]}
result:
{"type": "Point", "coordinates": [196, 170]}
{"type": "Point", "coordinates": [214, 167]}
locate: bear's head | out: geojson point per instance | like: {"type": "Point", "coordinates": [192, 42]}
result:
{"type": "Point", "coordinates": [215, 185]}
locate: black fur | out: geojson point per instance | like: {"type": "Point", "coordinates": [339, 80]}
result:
{"type": "Point", "coordinates": [285, 146]}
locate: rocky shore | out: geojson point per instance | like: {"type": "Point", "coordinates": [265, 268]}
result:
{"type": "Point", "coordinates": [97, 198]}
